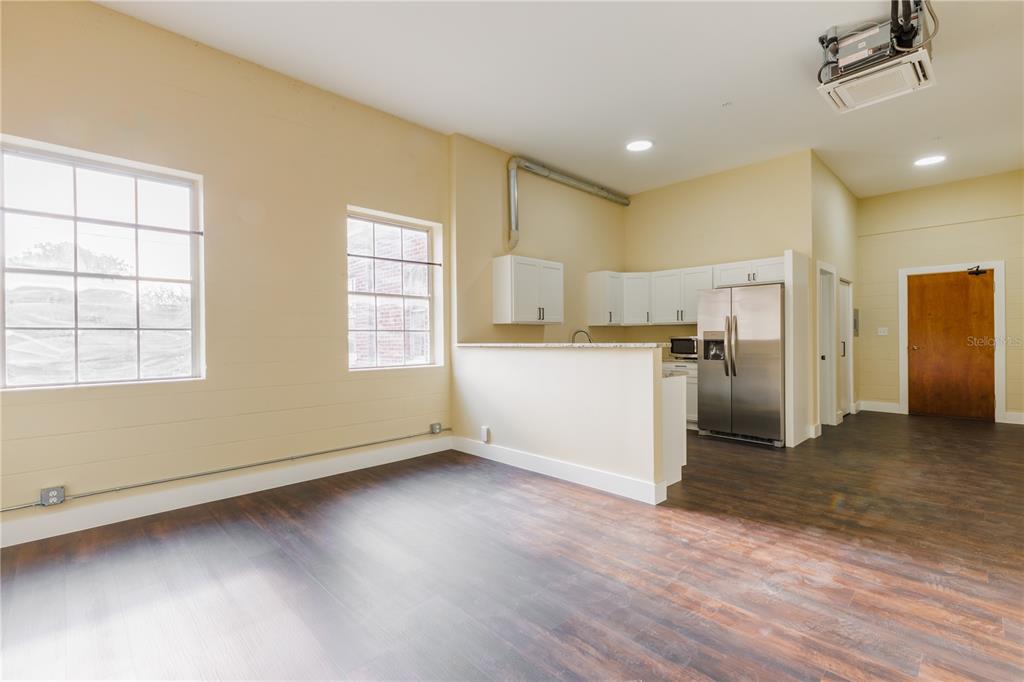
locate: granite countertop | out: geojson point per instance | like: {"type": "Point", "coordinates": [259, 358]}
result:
{"type": "Point", "coordinates": [603, 346]}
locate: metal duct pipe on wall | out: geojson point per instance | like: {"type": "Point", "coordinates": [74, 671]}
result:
{"type": "Point", "coordinates": [517, 162]}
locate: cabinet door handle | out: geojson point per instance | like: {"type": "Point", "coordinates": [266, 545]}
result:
{"type": "Point", "coordinates": [748, 276]}
{"type": "Point", "coordinates": [539, 317]}
{"type": "Point", "coordinates": [755, 276]}
{"type": "Point", "coordinates": [844, 349]}
{"type": "Point", "coordinates": [682, 315]}
{"type": "Point", "coordinates": [648, 315]}
{"type": "Point", "coordinates": [609, 317]}
{"type": "Point", "coordinates": [542, 313]}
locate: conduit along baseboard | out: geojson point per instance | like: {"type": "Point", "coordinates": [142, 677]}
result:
{"type": "Point", "coordinates": [25, 523]}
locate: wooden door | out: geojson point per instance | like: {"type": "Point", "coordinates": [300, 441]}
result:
{"type": "Point", "coordinates": [951, 345]}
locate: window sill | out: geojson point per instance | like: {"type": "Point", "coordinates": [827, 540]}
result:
{"type": "Point", "coordinates": [99, 384]}
{"type": "Point", "coordinates": [435, 365]}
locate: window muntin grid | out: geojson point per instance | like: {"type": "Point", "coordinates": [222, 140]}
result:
{"type": "Point", "coordinates": [390, 295]}
{"type": "Point", "coordinates": [100, 272]}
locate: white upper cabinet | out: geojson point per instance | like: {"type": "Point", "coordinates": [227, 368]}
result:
{"type": "Point", "coordinates": [527, 291]}
{"type": "Point", "coordinates": [552, 292]}
{"type": "Point", "coordinates": [694, 280]}
{"type": "Point", "coordinates": [523, 290]}
{"type": "Point", "coordinates": [636, 298]}
{"type": "Point", "coordinates": [604, 298]}
{"type": "Point", "coordinates": [769, 270]}
{"type": "Point", "coordinates": [763, 271]}
{"type": "Point", "coordinates": [666, 297]}
{"type": "Point", "coordinates": [674, 294]}
{"type": "Point", "coordinates": [732, 274]}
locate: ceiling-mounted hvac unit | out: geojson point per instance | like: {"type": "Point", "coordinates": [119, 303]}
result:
{"type": "Point", "coordinates": [903, 75]}
{"type": "Point", "coordinates": [880, 60]}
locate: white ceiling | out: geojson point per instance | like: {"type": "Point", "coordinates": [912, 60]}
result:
{"type": "Point", "coordinates": [571, 83]}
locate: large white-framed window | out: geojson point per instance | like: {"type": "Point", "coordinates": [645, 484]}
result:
{"type": "Point", "coordinates": [393, 286]}
{"type": "Point", "coordinates": [102, 269]}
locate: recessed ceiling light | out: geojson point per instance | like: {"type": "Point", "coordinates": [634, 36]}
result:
{"type": "Point", "coordinates": [930, 160]}
{"type": "Point", "coordinates": [639, 145]}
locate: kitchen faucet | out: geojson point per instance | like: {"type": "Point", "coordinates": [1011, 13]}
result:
{"type": "Point", "coordinates": [572, 339]}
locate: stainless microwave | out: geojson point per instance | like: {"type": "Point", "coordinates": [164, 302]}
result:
{"type": "Point", "coordinates": [683, 346]}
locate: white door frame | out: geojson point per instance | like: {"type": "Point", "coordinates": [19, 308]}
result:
{"type": "Point", "coordinates": [848, 360]}
{"type": "Point", "coordinates": [827, 410]}
{"type": "Point", "coordinates": [999, 304]}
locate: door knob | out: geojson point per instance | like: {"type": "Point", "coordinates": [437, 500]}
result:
{"type": "Point", "coordinates": [913, 348]}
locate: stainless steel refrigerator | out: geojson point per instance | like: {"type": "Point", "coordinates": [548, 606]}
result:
{"type": "Point", "coordinates": [740, 360]}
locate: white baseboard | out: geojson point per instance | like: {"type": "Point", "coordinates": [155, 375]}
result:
{"type": "Point", "coordinates": [634, 489]}
{"type": "Point", "coordinates": [880, 406]}
{"type": "Point", "coordinates": [855, 408]}
{"type": "Point", "coordinates": [894, 408]}
{"type": "Point", "coordinates": [35, 523]}
{"type": "Point", "coordinates": [814, 431]}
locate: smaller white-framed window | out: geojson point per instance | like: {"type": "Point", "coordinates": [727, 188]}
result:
{"type": "Point", "coordinates": [102, 269]}
{"type": "Point", "coordinates": [392, 293]}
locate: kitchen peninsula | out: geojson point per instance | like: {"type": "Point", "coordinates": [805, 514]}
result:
{"type": "Point", "coordinates": [597, 414]}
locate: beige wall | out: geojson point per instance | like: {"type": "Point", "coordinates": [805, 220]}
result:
{"type": "Point", "coordinates": [958, 222]}
{"type": "Point", "coordinates": [556, 222]}
{"type": "Point", "coordinates": [834, 233]}
{"type": "Point", "coordinates": [754, 211]}
{"type": "Point", "coordinates": [833, 220]}
{"type": "Point", "coordinates": [281, 161]}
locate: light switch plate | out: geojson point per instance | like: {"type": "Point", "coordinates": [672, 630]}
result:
{"type": "Point", "coordinates": [883, 331]}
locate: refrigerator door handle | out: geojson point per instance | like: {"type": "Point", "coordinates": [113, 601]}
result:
{"type": "Point", "coordinates": [732, 351]}
{"type": "Point", "coordinates": [725, 343]}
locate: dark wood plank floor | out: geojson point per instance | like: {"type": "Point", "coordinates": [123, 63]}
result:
{"type": "Point", "coordinates": [890, 548]}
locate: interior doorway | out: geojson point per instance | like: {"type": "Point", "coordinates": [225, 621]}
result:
{"type": "Point", "coordinates": [827, 412]}
{"type": "Point", "coordinates": [846, 401]}
{"type": "Point", "coordinates": [951, 344]}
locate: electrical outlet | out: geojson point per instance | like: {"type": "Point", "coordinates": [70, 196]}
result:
{"type": "Point", "coordinates": [54, 495]}
{"type": "Point", "coordinates": [435, 427]}
{"type": "Point", "coordinates": [883, 331]}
